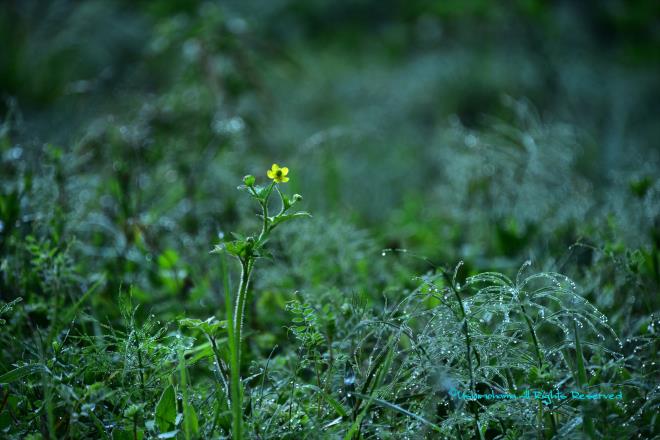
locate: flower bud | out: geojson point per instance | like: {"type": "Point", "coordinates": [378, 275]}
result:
{"type": "Point", "coordinates": [297, 197]}
{"type": "Point", "coordinates": [248, 180]}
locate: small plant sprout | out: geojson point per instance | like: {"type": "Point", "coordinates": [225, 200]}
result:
{"type": "Point", "coordinates": [247, 249]}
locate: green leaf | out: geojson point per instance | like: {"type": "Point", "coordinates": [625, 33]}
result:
{"type": "Point", "coordinates": [21, 372]}
{"type": "Point", "coordinates": [166, 410]}
{"type": "Point", "coordinates": [395, 407]}
{"type": "Point", "coordinates": [168, 259]}
{"type": "Point", "coordinates": [133, 409]}
{"type": "Point", "coordinates": [286, 217]}
{"type": "Point", "coordinates": [263, 253]}
{"type": "Point", "coordinates": [336, 405]}
{"type": "Point", "coordinates": [190, 420]}
{"type": "Point", "coordinates": [202, 351]}
{"type": "Point", "coordinates": [238, 236]}
{"type": "Point", "coordinates": [127, 434]}
{"type": "Point", "coordinates": [235, 248]}
{"type": "Point", "coordinates": [211, 326]}
{"type": "Point", "coordinates": [263, 191]}
{"type": "Point", "coordinates": [190, 423]}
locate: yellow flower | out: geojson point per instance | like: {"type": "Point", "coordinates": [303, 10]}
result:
{"type": "Point", "coordinates": [278, 174]}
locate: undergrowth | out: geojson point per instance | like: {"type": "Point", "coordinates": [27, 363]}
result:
{"type": "Point", "coordinates": [472, 257]}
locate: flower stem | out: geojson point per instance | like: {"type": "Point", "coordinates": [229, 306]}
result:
{"type": "Point", "coordinates": [236, 326]}
{"type": "Point", "coordinates": [246, 270]}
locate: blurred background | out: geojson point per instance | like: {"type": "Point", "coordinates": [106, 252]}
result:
{"type": "Point", "coordinates": [463, 129]}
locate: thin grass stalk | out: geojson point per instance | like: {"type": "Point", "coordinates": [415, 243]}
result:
{"type": "Point", "coordinates": [468, 344]}
{"type": "Point", "coordinates": [539, 357]}
{"type": "Point", "coordinates": [581, 375]}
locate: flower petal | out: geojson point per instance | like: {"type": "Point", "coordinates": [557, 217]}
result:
{"type": "Point", "coordinates": [270, 174]}
{"type": "Point", "coordinates": [284, 179]}
{"type": "Point", "coordinates": [285, 171]}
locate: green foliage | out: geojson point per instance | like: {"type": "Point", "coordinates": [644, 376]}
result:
{"type": "Point", "coordinates": [421, 133]}
{"type": "Point", "coordinates": [165, 414]}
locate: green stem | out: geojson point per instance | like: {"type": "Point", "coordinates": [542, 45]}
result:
{"type": "Point", "coordinates": [235, 348]}
{"type": "Point", "coordinates": [239, 311]}
{"type": "Point", "coordinates": [582, 380]}
{"type": "Point", "coordinates": [218, 364]}
{"type": "Point", "coordinates": [140, 368]}
{"type": "Point", "coordinates": [539, 358]}
{"type": "Point", "coordinates": [234, 365]}
{"type": "Point", "coordinates": [532, 332]}
{"type": "Point", "coordinates": [264, 208]}
{"type": "Point", "coordinates": [468, 344]}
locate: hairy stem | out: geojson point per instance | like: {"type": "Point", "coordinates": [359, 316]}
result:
{"type": "Point", "coordinates": [239, 311]}
{"type": "Point", "coordinates": [264, 209]}
{"type": "Point", "coordinates": [237, 328]}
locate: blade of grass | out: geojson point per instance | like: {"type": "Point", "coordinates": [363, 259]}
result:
{"type": "Point", "coordinates": [404, 411]}
{"type": "Point", "coordinates": [21, 372]}
{"type": "Point", "coordinates": [582, 380]}
{"type": "Point", "coordinates": [334, 403]}
{"type": "Point", "coordinates": [73, 310]}
{"type": "Point", "coordinates": [190, 423]}
{"type": "Point", "coordinates": [380, 372]}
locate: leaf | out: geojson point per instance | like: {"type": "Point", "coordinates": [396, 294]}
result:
{"type": "Point", "coordinates": [286, 217]}
{"type": "Point", "coordinates": [166, 410]}
{"type": "Point", "coordinates": [238, 248]}
{"type": "Point", "coordinates": [263, 191]}
{"type": "Point", "coordinates": [125, 434]}
{"type": "Point", "coordinates": [21, 372]}
{"type": "Point", "coordinates": [168, 259]}
{"type": "Point", "coordinates": [73, 310]}
{"type": "Point", "coordinates": [334, 403]}
{"type": "Point", "coordinates": [202, 351]}
{"type": "Point", "coordinates": [395, 407]}
{"type": "Point", "coordinates": [6, 308]}
{"type": "Point", "coordinates": [211, 326]}
{"type": "Point", "coordinates": [238, 236]}
{"type": "Point", "coordinates": [263, 253]}
{"type": "Point", "coordinates": [190, 421]}
{"type": "Point", "coordinates": [381, 367]}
